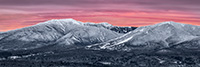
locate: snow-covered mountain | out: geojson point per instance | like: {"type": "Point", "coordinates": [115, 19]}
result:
{"type": "Point", "coordinates": [62, 31]}
{"type": "Point", "coordinates": [164, 35]}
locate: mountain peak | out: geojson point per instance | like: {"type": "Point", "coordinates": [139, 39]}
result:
{"type": "Point", "coordinates": [168, 22]}
{"type": "Point", "coordinates": [62, 21]}
{"type": "Point", "coordinates": [162, 35]}
{"type": "Point", "coordinates": [105, 24]}
{"type": "Point", "coordinates": [69, 19]}
{"type": "Point", "coordinates": [171, 23]}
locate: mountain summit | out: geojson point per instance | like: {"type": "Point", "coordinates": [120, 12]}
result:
{"type": "Point", "coordinates": [62, 31]}
{"type": "Point", "coordinates": [164, 35]}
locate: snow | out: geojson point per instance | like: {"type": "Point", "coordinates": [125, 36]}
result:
{"type": "Point", "coordinates": [106, 24]}
{"type": "Point", "coordinates": [104, 46]}
{"type": "Point", "coordinates": [165, 33]}
{"type": "Point", "coordinates": [70, 32]}
{"type": "Point", "coordinates": [167, 22]}
{"type": "Point", "coordinates": [121, 42]}
{"type": "Point", "coordinates": [60, 31]}
{"type": "Point", "coordinates": [142, 30]}
{"type": "Point", "coordinates": [14, 57]}
{"type": "Point", "coordinates": [125, 40]}
{"type": "Point", "coordinates": [61, 21]}
{"type": "Point", "coordinates": [106, 63]}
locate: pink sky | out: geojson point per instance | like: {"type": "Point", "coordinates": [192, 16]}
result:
{"type": "Point", "coordinates": [22, 13]}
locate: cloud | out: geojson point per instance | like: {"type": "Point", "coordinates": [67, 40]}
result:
{"type": "Point", "coordinates": [155, 4]}
{"type": "Point", "coordinates": [21, 13]}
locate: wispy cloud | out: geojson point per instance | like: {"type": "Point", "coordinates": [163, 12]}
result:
{"type": "Point", "coordinates": [21, 13]}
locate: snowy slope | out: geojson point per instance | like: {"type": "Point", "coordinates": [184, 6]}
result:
{"type": "Point", "coordinates": [62, 31]}
{"type": "Point", "coordinates": [158, 36]}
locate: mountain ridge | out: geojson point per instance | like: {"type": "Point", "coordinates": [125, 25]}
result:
{"type": "Point", "coordinates": [161, 35]}
{"type": "Point", "coordinates": [55, 43]}
{"type": "Point", "coordinates": [59, 31]}
{"type": "Point", "coordinates": [102, 36]}
{"type": "Point", "coordinates": [45, 33]}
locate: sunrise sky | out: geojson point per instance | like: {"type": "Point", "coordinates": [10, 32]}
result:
{"type": "Point", "coordinates": [22, 13]}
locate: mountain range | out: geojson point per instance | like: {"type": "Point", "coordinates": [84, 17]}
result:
{"type": "Point", "coordinates": [162, 36]}
{"type": "Point", "coordinates": [60, 32]}
{"type": "Point", "coordinates": [69, 32]}
{"type": "Point", "coordinates": [74, 41]}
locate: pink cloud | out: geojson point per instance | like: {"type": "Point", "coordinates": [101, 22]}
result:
{"type": "Point", "coordinates": [22, 13]}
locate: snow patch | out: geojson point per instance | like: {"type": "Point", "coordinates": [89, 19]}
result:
{"type": "Point", "coordinates": [14, 57]}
